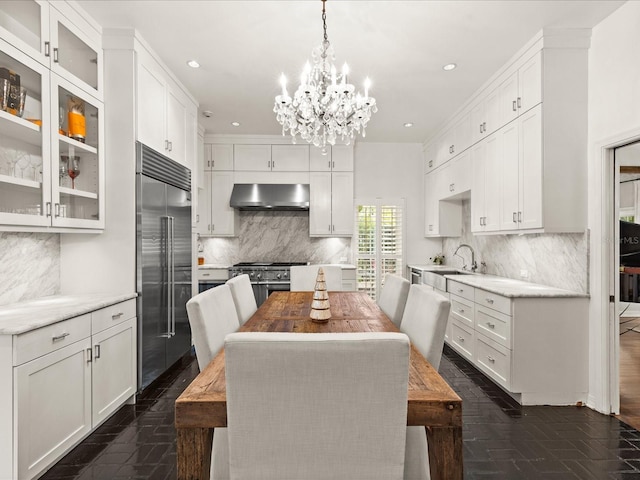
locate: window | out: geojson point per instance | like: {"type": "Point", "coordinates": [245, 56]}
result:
{"type": "Point", "coordinates": [379, 242]}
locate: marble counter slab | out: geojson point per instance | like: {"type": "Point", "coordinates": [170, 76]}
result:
{"type": "Point", "coordinates": [508, 287]}
{"type": "Point", "coordinates": [22, 317]}
{"type": "Point", "coordinates": [433, 268]}
{"type": "Point", "coordinates": [213, 266]}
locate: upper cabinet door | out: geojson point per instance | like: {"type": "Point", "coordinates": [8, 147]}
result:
{"type": "Point", "coordinates": [25, 24]}
{"type": "Point", "coordinates": [256, 158]}
{"type": "Point", "coordinates": [530, 83]}
{"type": "Point", "coordinates": [151, 108]}
{"type": "Point", "coordinates": [342, 158]}
{"type": "Point", "coordinates": [176, 127]}
{"type": "Point", "coordinates": [320, 159]}
{"type": "Point", "coordinates": [218, 157]}
{"type": "Point", "coordinates": [509, 99]}
{"type": "Point", "coordinates": [75, 55]}
{"type": "Point", "coordinates": [290, 158]}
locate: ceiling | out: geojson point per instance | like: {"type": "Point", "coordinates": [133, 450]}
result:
{"type": "Point", "coordinates": [243, 46]}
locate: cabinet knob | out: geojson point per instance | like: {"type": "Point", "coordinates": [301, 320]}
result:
{"type": "Point", "coordinates": [491, 325]}
{"type": "Point", "coordinates": [489, 301]}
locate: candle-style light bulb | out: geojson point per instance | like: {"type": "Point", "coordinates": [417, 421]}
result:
{"type": "Point", "coordinates": [283, 83]}
{"type": "Point", "coordinates": [345, 72]}
{"type": "Point", "coordinates": [367, 84]}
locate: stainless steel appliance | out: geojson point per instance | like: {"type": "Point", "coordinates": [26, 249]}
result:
{"type": "Point", "coordinates": [163, 258]}
{"type": "Point", "coordinates": [270, 197]}
{"type": "Point", "coordinates": [266, 277]}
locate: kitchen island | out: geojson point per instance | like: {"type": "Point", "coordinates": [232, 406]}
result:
{"type": "Point", "coordinates": [70, 363]}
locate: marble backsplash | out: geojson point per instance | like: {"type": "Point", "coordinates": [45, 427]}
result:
{"type": "Point", "coordinates": [29, 266]}
{"type": "Point", "coordinates": [556, 260]}
{"type": "Point", "coordinates": [275, 237]}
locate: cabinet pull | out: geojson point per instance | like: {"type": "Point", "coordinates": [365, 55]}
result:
{"type": "Point", "coordinates": [514, 105]}
{"type": "Point", "coordinates": [96, 351]}
{"type": "Point", "coordinates": [333, 228]}
{"type": "Point", "coordinates": [491, 359]}
{"type": "Point", "coordinates": [197, 218]}
{"type": "Point", "coordinates": [55, 338]}
{"type": "Point", "coordinates": [430, 163]}
{"type": "Point", "coordinates": [519, 102]}
{"type": "Point", "coordinates": [206, 275]}
{"type": "Point", "coordinates": [57, 210]}
{"type": "Point", "coordinates": [453, 149]}
{"type": "Point", "coordinates": [55, 55]}
{"type": "Point", "coordinates": [171, 146]}
{"type": "Point", "coordinates": [328, 163]}
{"type": "Point", "coordinates": [484, 221]}
{"type": "Point", "coordinates": [515, 220]}
{"type": "Point", "coordinates": [491, 325]}
{"type": "Point", "coordinates": [273, 164]}
{"type": "Point", "coordinates": [47, 49]}
{"type": "Point", "coordinates": [484, 127]}
{"type": "Point", "coordinates": [116, 316]}
{"type": "Point", "coordinates": [213, 163]}
{"type": "Point", "coordinates": [89, 355]}
{"type": "Point", "coordinates": [333, 164]}
{"type": "Point", "coordinates": [489, 301]}
{"type": "Point", "coordinates": [461, 310]}
{"type": "Point", "coordinates": [48, 209]}
{"type": "Point", "coordinates": [166, 144]}
{"type": "Point", "coordinates": [460, 290]}
{"type": "Point", "coordinates": [460, 339]}
{"type": "Point", "coordinates": [480, 128]}
{"type": "Point", "coordinates": [519, 217]}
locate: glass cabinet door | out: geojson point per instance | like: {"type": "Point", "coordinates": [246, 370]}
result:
{"type": "Point", "coordinates": [75, 52]}
{"type": "Point", "coordinates": [76, 157]}
{"type": "Point", "coordinates": [24, 141]}
{"type": "Point", "coordinates": [25, 24]}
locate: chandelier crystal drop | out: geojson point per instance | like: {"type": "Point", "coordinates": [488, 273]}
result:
{"type": "Point", "coordinates": [324, 107]}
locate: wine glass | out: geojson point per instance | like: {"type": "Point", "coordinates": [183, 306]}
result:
{"type": "Point", "coordinates": [73, 169]}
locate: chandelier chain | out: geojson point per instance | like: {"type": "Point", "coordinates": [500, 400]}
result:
{"type": "Point", "coordinates": [324, 21]}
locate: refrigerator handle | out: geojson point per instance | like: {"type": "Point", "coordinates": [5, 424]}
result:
{"type": "Point", "coordinates": [172, 332]}
{"type": "Point", "coordinates": [167, 252]}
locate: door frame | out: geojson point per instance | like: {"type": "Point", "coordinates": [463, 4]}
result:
{"type": "Point", "coordinates": [604, 339]}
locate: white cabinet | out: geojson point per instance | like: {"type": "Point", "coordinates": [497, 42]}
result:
{"type": "Point", "coordinates": [63, 380]}
{"type": "Point", "coordinates": [216, 217]}
{"type": "Point", "coordinates": [290, 158]}
{"type": "Point", "coordinates": [349, 281]}
{"type": "Point", "coordinates": [521, 166]}
{"type": "Point", "coordinates": [53, 406]}
{"type": "Point", "coordinates": [336, 158]}
{"type": "Point", "coordinates": [218, 157]}
{"type": "Point", "coordinates": [35, 185]}
{"type": "Point", "coordinates": [443, 218]}
{"type": "Point", "coordinates": [331, 204]}
{"type": "Point", "coordinates": [161, 110]}
{"type": "Point", "coordinates": [252, 158]}
{"type": "Point", "coordinates": [485, 189]}
{"type": "Point", "coordinates": [522, 90]}
{"type": "Point", "coordinates": [58, 37]}
{"type": "Point", "coordinates": [455, 177]}
{"type": "Point", "coordinates": [485, 117]}
{"type": "Point", "coordinates": [533, 347]}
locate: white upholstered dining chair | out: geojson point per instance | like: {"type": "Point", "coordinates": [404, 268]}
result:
{"type": "Point", "coordinates": [243, 297]}
{"type": "Point", "coordinates": [213, 315]}
{"type": "Point", "coordinates": [303, 277]}
{"type": "Point", "coordinates": [393, 297]}
{"type": "Point", "coordinates": [316, 406]}
{"type": "Point", "coordinates": [425, 320]}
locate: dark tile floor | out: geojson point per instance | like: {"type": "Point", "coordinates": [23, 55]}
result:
{"type": "Point", "coordinates": [501, 439]}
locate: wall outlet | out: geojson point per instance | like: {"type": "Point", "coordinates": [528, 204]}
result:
{"type": "Point", "coordinates": [524, 273]}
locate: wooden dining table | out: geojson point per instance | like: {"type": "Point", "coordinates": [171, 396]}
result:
{"type": "Point", "coordinates": [432, 403]}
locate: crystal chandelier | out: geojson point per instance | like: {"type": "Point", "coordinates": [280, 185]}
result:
{"type": "Point", "coordinates": [324, 107]}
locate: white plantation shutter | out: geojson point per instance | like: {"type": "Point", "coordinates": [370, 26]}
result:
{"type": "Point", "coordinates": [379, 242]}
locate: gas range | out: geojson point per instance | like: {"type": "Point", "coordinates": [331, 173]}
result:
{"type": "Point", "coordinates": [264, 272]}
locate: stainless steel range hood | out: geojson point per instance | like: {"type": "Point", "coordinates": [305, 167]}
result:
{"type": "Point", "coordinates": [264, 196]}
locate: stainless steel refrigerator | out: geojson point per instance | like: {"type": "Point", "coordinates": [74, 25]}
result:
{"type": "Point", "coordinates": [163, 257]}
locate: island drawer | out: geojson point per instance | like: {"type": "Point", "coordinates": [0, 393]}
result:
{"type": "Point", "coordinates": [460, 289]}
{"type": "Point", "coordinates": [462, 310]}
{"type": "Point", "coordinates": [462, 339]}
{"type": "Point", "coordinates": [47, 339]}
{"type": "Point", "coordinates": [493, 359]}
{"type": "Point", "coordinates": [493, 324]}
{"type": "Point", "coordinates": [493, 301]}
{"type": "Point", "coordinates": [112, 315]}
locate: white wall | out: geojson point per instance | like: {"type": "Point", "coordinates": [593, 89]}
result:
{"type": "Point", "coordinates": [614, 116]}
{"type": "Point", "coordinates": [394, 170]}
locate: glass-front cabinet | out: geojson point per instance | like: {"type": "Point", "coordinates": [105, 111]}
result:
{"type": "Point", "coordinates": [51, 124]}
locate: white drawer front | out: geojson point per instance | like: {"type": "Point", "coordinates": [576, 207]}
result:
{"type": "Point", "coordinates": [205, 274]}
{"type": "Point", "coordinates": [34, 344]}
{"type": "Point", "coordinates": [494, 360]}
{"type": "Point", "coordinates": [493, 301]}
{"type": "Point", "coordinates": [460, 289]}
{"type": "Point", "coordinates": [109, 316]}
{"type": "Point", "coordinates": [462, 339]}
{"type": "Point", "coordinates": [494, 325]}
{"type": "Point", "coordinates": [462, 310]}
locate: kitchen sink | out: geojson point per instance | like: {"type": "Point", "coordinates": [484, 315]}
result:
{"type": "Point", "coordinates": [435, 277]}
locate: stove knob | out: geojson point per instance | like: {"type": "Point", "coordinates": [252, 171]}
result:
{"type": "Point", "coordinates": [278, 276]}
{"type": "Point", "coordinates": [259, 276]}
{"type": "Point", "coordinates": [285, 274]}
{"type": "Point", "coordinates": [251, 274]}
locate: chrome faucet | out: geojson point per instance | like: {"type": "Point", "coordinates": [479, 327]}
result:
{"type": "Point", "coordinates": [474, 265]}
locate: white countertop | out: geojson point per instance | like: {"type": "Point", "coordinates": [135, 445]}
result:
{"type": "Point", "coordinates": [22, 317]}
{"type": "Point", "coordinates": [211, 266]}
{"type": "Point", "coordinates": [509, 287]}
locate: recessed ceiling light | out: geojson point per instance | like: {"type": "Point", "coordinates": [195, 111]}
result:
{"type": "Point", "coordinates": [193, 64]}
{"type": "Point", "coordinates": [235, 124]}
{"type": "Point", "coordinates": [408, 124]}
{"type": "Point", "coordinates": [449, 66]}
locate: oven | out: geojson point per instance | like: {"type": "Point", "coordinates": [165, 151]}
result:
{"type": "Point", "coordinates": [416, 275]}
{"type": "Point", "coordinates": [265, 277]}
